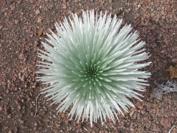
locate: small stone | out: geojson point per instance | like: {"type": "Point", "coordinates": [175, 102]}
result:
{"type": "Point", "coordinates": [19, 107]}
{"type": "Point", "coordinates": [10, 131]}
{"type": "Point", "coordinates": [155, 128]}
{"type": "Point", "coordinates": [35, 124]}
{"type": "Point", "coordinates": [40, 32]}
{"type": "Point", "coordinates": [16, 21]}
{"type": "Point", "coordinates": [0, 108]}
{"type": "Point", "coordinates": [9, 116]}
{"type": "Point", "coordinates": [39, 19]}
{"type": "Point", "coordinates": [21, 56]}
{"type": "Point", "coordinates": [165, 123]}
{"type": "Point", "coordinates": [21, 76]}
{"type": "Point", "coordinates": [37, 11]}
{"type": "Point", "coordinates": [21, 121]}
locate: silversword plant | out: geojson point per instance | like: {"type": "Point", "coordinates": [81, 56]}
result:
{"type": "Point", "coordinates": [92, 66]}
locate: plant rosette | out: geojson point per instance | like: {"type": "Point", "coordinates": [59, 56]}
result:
{"type": "Point", "coordinates": [93, 66]}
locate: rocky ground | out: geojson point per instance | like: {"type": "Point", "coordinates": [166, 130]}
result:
{"type": "Point", "coordinates": [23, 23]}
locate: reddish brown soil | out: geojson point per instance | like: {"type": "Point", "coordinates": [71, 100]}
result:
{"type": "Point", "coordinates": [24, 22]}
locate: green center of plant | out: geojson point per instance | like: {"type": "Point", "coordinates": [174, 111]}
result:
{"type": "Point", "coordinates": [91, 72]}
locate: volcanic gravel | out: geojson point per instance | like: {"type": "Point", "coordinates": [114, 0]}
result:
{"type": "Point", "coordinates": [24, 23]}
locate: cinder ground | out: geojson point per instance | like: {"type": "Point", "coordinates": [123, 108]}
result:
{"type": "Point", "coordinates": [22, 25]}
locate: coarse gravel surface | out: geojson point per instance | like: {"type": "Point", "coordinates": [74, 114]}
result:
{"type": "Point", "coordinates": [24, 23]}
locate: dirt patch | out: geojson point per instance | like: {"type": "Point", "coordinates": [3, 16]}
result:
{"type": "Point", "coordinates": [24, 22]}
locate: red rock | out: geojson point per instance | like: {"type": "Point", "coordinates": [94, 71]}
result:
{"type": "Point", "coordinates": [165, 123]}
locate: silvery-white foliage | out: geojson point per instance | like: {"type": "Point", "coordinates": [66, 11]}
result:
{"type": "Point", "coordinates": [92, 65]}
